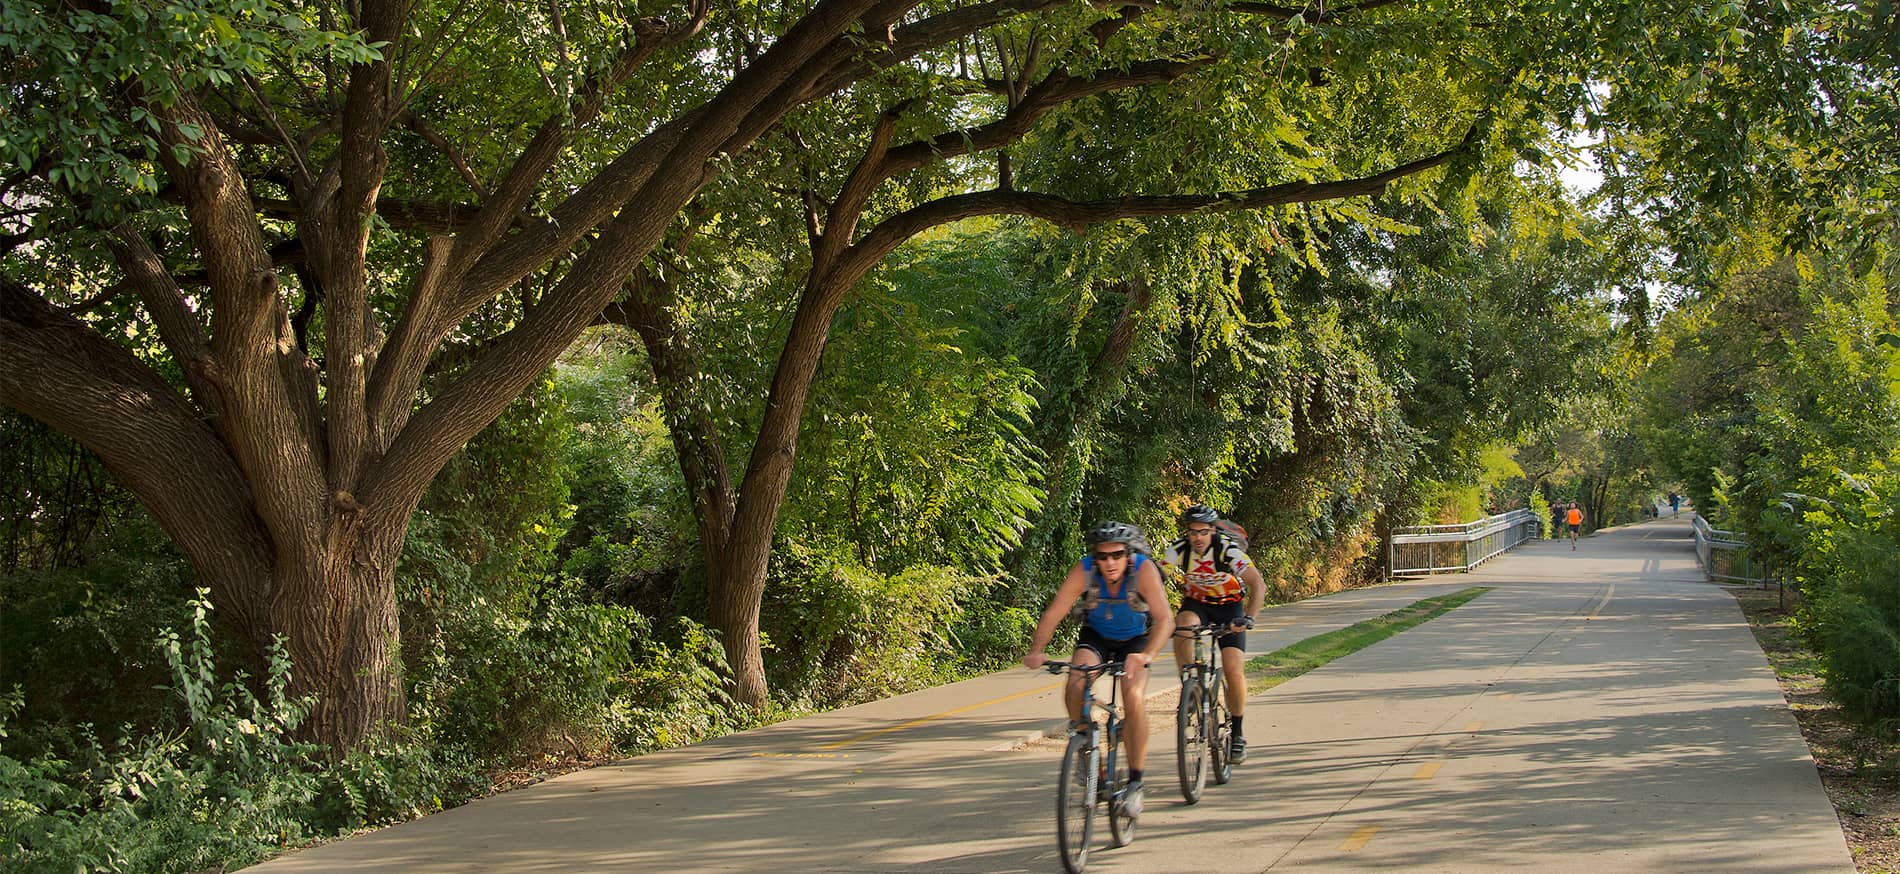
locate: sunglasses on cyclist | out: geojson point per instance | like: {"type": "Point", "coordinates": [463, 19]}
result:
{"type": "Point", "coordinates": [1200, 531]}
{"type": "Point", "coordinates": [1111, 555]}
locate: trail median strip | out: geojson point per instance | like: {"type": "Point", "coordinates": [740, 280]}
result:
{"type": "Point", "coordinates": [1270, 670]}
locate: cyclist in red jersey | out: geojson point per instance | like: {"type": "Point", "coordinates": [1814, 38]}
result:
{"type": "Point", "coordinates": [1214, 569]}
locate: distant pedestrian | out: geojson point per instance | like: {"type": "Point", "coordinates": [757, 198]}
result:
{"type": "Point", "coordinates": [1574, 518]}
{"type": "Point", "coordinates": [1556, 521]}
{"type": "Point", "coordinates": [1675, 504]}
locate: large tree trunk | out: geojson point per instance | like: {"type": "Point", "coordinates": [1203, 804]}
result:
{"type": "Point", "coordinates": [339, 618]}
{"type": "Point", "coordinates": [736, 585]}
{"type": "Point", "coordinates": [737, 577]}
{"type": "Point", "coordinates": [327, 588]}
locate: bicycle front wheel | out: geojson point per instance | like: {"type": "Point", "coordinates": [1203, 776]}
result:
{"type": "Point", "coordinates": [1190, 740]}
{"type": "Point", "coordinates": [1219, 731]}
{"type": "Point", "coordinates": [1121, 820]}
{"type": "Point", "coordinates": [1075, 801]}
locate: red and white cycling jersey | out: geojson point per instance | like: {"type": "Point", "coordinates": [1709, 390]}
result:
{"type": "Point", "coordinates": [1211, 577]}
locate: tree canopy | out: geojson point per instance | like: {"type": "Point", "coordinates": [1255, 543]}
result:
{"type": "Point", "coordinates": [276, 263]}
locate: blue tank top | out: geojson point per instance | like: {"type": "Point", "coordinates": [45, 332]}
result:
{"type": "Point", "coordinates": [1113, 615]}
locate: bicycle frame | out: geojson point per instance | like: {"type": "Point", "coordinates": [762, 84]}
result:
{"type": "Point", "coordinates": [1101, 740]}
{"type": "Point", "coordinates": [1109, 727]}
{"type": "Point", "coordinates": [1207, 657]}
{"type": "Point", "coordinates": [1205, 674]}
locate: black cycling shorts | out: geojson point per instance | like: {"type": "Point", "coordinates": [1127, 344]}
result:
{"type": "Point", "coordinates": [1109, 650]}
{"type": "Point", "coordinates": [1215, 614]}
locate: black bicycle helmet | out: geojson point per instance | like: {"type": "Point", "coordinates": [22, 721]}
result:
{"type": "Point", "coordinates": [1201, 513]}
{"type": "Point", "coordinates": [1113, 532]}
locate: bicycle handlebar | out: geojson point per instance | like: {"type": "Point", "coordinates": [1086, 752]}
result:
{"type": "Point", "coordinates": [1209, 629]}
{"type": "Point", "coordinates": [1113, 669]}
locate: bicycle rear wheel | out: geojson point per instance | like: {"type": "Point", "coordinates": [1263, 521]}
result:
{"type": "Point", "coordinates": [1219, 731]}
{"type": "Point", "coordinates": [1075, 801]}
{"type": "Point", "coordinates": [1121, 822]}
{"type": "Point", "coordinates": [1190, 740]}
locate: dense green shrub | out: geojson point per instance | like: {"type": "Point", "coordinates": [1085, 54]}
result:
{"type": "Point", "coordinates": [503, 684]}
{"type": "Point", "coordinates": [1860, 652]}
{"type": "Point", "coordinates": [675, 694]}
{"type": "Point", "coordinates": [838, 633]}
{"type": "Point", "coordinates": [78, 638]}
{"type": "Point", "coordinates": [629, 533]}
{"type": "Point", "coordinates": [228, 785]}
{"type": "Point", "coordinates": [1850, 545]}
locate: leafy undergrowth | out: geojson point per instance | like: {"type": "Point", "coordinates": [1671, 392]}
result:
{"type": "Point", "coordinates": [1860, 773]}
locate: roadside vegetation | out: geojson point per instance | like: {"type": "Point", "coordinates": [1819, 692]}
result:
{"type": "Point", "coordinates": [1859, 769]}
{"type": "Point", "coordinates": [402, 401]}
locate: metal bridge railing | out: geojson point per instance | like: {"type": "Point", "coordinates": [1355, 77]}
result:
{"type": "Point", "coordinates": [1434, 549]}
{"type": "Point", "coordinates": [1724, 555]}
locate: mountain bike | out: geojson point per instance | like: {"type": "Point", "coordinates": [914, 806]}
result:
{"type": "Point", "coordinates": [1202, 730]}
{"type": "Point", "coordinates": [1094, 769]}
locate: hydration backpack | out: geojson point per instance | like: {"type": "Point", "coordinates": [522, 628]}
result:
{"type": "Point", "coordinates": [1232, 530]}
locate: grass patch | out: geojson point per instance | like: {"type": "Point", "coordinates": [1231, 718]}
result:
{"type": "Point", "coordinates": [1270, 670]}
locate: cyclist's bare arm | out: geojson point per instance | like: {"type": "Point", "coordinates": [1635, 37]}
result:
{"type": "Point", "coordinates": [1160, 615]}
{"type": "Point", "coordinates": [1256, 590]}
{"type": "Point", "coordinates": [1058, 609]}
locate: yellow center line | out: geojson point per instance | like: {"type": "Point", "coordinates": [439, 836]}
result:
{"type": "Point", "coordinates": [1605, 602]}
{"type": "Point", "coordinates": [1426, 770]}
{"type": "Point", "coordinates": [1474, 726]}
{"type": "Point", "coordinates": [936, 716]}
{"type": "Point", "coordinates": [1359, 839]}
{"type": "Point", "coordinates": [1506, 696]}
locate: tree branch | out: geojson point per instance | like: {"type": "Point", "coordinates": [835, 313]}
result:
{"type": "Point", "coordinates": [343, 203]}
{"type": "Point", "coordinates": [64, 373]}
{"type": "Point", "coordinates": [648, 309]}
{"type": "Point", "coordinates": [409, 215]}
{"type": "Point", "coordinates": [841, 221]}
{"type": "Point", "coordinates": [1053, 91]}
{"type": "Point", "coordinates": [180, 328]}
{"type": "Point", "coordinates": [1078, 215]}
{"type": "Point", "coordinates": [441, 143]}
{"type": "Point", "coordinates": [1319, 12]}
{"type": "Point", "coordinates": [911, 40]}
{"type": "Point", "coordinates": [270, 410]}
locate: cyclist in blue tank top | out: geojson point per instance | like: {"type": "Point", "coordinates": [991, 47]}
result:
{"type": "Point", "coordinates": [1125, 616]}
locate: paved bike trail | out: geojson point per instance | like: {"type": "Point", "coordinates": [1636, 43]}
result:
{"type": "Point", "coordinates": [1600, 709]}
